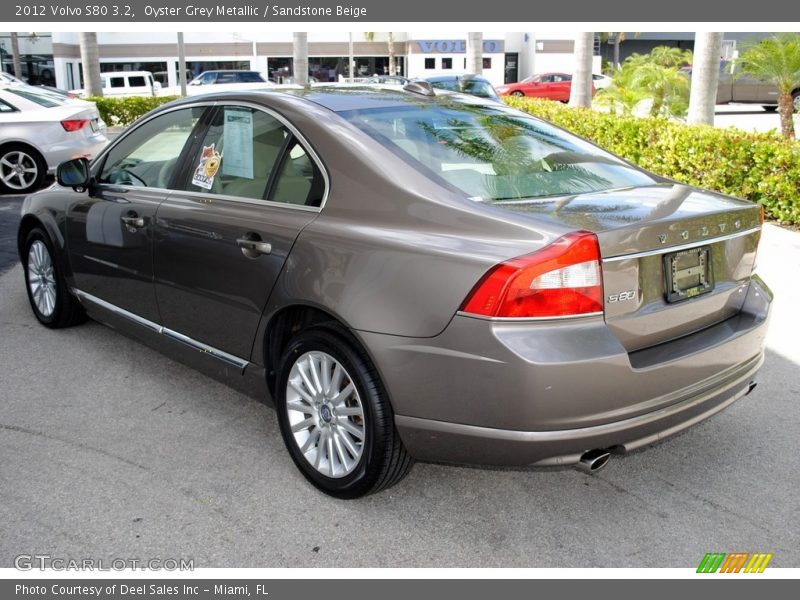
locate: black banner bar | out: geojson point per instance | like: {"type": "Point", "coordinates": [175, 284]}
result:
{"type": "Point", "coordinates": [266, 11]}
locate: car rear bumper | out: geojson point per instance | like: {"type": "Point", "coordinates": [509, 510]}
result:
{"type": "Point", "coordinates": [542, 393]}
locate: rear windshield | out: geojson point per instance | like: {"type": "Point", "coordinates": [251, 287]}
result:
{"type": "Point", "coordinates": [40, 97]}
{"type": "Point", "coordinates": [482, 89]}
{"type": "Point", "coordinates": [494, 152]}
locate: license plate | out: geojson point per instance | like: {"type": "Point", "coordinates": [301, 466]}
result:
{"type": "Point", "coordinates": [688, 273]}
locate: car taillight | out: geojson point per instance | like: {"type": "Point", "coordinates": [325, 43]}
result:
{"type": "Point", "coordinates": [74, 124]}
{"type": "Point", "coordinates": [562, 279]}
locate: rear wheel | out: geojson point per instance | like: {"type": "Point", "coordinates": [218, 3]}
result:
{"type": "Point", "coordinates": [335, 416]}
{"type": "Point", "coordinates": [48, 294]}
{"type": "Point", "coordinates": [22, 169]}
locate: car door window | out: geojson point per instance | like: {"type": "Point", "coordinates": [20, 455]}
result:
{"type": "Point", "coordinates": [147, 156]}
{"type": "Point", "coordinates": [117, 82]}
{"type": "Point", "coordinates": [299, 180]}
{"type": "Point", "coordinates": [237, 155]}
{"type": "Point", "coordinates": [137, 81]}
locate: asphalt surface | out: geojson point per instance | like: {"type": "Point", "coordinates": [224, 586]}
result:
{"type": "Point", "coordinates": [109, 450]}
{"type": "Point", "coordinates": [9, 220]}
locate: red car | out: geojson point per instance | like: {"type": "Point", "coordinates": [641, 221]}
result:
{"type": "Point", "coordinates": [553, 86]}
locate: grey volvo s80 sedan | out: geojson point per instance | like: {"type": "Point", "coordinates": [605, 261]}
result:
{"type": "Point", "coordinates": [408, 274]}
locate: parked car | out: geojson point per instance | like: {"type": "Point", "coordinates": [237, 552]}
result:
{"type": "Point", "coordinates": [39, 130]}
{"type": "Point", "coordinates": [408, 275]}
{"type": "Point", "coordinates": [223, 80]}
{"type": "Point", "coordinates": [122, 84]}
{"type": "Point", "coordinates": [601, 81]}
{"type": "Point", "coordinates": [744, 89]}
{"type": "Point", "coordinates": [474, 85]}
{"type": "Point", "coordinates": [552, 86]}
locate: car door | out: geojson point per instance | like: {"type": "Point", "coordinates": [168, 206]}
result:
{"type": "Point", "coordinates": [250, 186]}
{"type": "Point", "coordinates": [537, 87]}
{"type": "Point", "coordinates": [561, 86]}
{"type": "Point", "coordinates": [110, 228]}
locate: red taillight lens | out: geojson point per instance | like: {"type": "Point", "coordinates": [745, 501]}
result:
{"type": "Point", "coordinates": [74, 124]}
{"type": "Point", "coordinates": [562, 279]}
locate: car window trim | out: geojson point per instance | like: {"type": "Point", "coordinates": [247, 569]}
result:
{"type": "Point", "coordinates": [294, 132]}
{"type": "Point", "coordinates": [283, 153]}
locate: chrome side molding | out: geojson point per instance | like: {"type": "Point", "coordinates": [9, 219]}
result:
{"type": "Point", "coordinates": [221, 355]}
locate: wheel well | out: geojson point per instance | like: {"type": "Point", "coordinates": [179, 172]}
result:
{"type": "Point", "coordinates": [285, 324]}
{"type": "Point", "coordinates": [28, 222]}
{"type": "Point", "coordinates": [32, 149]}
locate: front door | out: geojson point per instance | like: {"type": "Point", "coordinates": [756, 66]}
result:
{"type": "Point", "coordinates": [250, 187]}
{"type": "Point", "coordinates": [110, 229]}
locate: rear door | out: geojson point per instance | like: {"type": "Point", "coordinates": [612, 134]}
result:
{"type": "Point", "coordinates": [110, 229]}
{"type": "Point", "coordinates": [249, 186]}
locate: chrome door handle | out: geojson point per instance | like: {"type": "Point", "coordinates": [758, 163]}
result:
{"type": "Point", "coordinates": [136, 222]}
{"type": "Point", "coordinates": [253, 247]}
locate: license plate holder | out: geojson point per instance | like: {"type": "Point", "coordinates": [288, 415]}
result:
{"type": "Point", "coordinates": [688, 273]}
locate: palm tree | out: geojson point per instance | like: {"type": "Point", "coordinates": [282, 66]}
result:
{"type": "Point", "coordinates": [90, 64]}
{"type": "Point", "coordinates": [370, 37]}
{"type": "Point", "coordinates": [475, 53]}
{"type": "Point", "coordinates": [581, 88]}
{"type": "Point", "coordinates": [777, 60]}
{"type": "Point", "coordinates": [623, 94]}
{"type": "Point", "coordinates": [659, 72]}
{"type": "Point", "coordinates": [15, 57]}
{"type": "Point", "coordinates": [705, 76]}
{"type": "Point", "coordinates": [300, 58]}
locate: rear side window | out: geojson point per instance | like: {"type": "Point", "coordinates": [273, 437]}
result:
{"type": "Point", "coordinates": [250, 77]}
{"type": "Point", "coordinates": [299, 180]}
{"type": "Point", "coordinates": [147, 156]}
{"type": "Point", "coordinates": [34, 95]}
{"type": "Point", "coordinates": [137, 81]}
{"type": "Point", "coordinates": [117, 82]}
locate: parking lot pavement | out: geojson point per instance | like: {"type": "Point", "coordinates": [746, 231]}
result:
{"type": "Point", "coordinates": [749, 117]}
{"type": "Point", "coordinates": [9, 219]}
{"type": "Point", "coordinates": [109, 450]}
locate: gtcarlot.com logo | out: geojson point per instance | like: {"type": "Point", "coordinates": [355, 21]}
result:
{"type": "Point", "coordinates": [737, 562]}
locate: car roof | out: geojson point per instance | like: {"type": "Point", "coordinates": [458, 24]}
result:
{"type": "Point", "coordinates": [229, 71]}
{"type": "Point", "coordinates": [339, 97]}
{"type": "Point", "coordinates": [455, 77]}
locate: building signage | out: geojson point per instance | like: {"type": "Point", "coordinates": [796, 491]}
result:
{"type": "Point", "coordinates": [456, 46]}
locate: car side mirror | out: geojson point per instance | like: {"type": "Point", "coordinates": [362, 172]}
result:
{"type": "Point", "coordinates": [74, 173]}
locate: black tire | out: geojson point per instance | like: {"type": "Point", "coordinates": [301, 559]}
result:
{"type": "Point", "coordinates": [517, 93]}
{"type": "Point", "coordinates": [770, 108]}
{"type": "Point", "coordinates": [28, 158]}
{"type": "Point", "coordinates": [66, 311]}
{"type": "Point", "coordinates": [384, 460]}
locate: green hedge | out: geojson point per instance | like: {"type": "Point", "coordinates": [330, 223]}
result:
{"type": "Point", "coordinates": [120, 112]}
{"type": "Point", "coordinates": [761, 167]}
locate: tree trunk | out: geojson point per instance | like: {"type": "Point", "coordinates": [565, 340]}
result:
{"type": "Point", "coordinates": [475, 53]}
{"type": "Point", "coordinates": [705, 77]}
{"type": "Point", "coordinates": [616, 51]}
{"type": "Point", "coordinates": [581, 88]}
{"type": "Point", "coordinates": [90, 64]}
{"type": "Point", "coordinates": [300, 58]}
{"type": "Point", "coordinates": [390, 44]}
{"type": "Point", "coordinates": [15, 57]}
{"type": "Point", "coordinates": [786, 111]}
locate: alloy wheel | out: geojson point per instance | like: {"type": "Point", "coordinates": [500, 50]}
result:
{"type": "Point", "coordinates": [18, 170]}
{"type": "Point", "coordinates": [42, 278]}
{"type": "Point", "coordinates": [325, 414]}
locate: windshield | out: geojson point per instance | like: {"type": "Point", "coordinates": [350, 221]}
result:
{"type": "Point", "coordinates": [495, 153]}
{"type": "Point", "coordinates": [482, 89]}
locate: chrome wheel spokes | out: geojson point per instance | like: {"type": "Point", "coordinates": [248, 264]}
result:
{"type": "Point", "coordinates": [325, 414]}
{"type": "Point", "coordinates": [42, 278]}
{"type": "Point", "coordinates": [18, 170]}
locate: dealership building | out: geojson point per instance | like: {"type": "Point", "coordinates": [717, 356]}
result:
{"type": "Point", "coordinates": [54, 58]}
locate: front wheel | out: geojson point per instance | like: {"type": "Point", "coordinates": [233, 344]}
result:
{"type": "Point", "coordinates": [335, 416]}
{"type": "Point", "coordinates": [796, 100]}
{"type": "Point", "coordinates": [517, 93]}
{"type": "Point", "coordinates": [50, 299]}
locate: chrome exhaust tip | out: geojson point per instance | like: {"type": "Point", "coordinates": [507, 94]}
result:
{"type": "Point", "coordinates": [594, 460]}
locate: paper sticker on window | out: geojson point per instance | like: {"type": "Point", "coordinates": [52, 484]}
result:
{"type": "Point", "coordinates": [238, 143]}
{"type": "Point", "coordinates": [210, 160]}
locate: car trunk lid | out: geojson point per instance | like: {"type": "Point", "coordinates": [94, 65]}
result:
{"type": "Point", "coordinates": [675, 259]}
